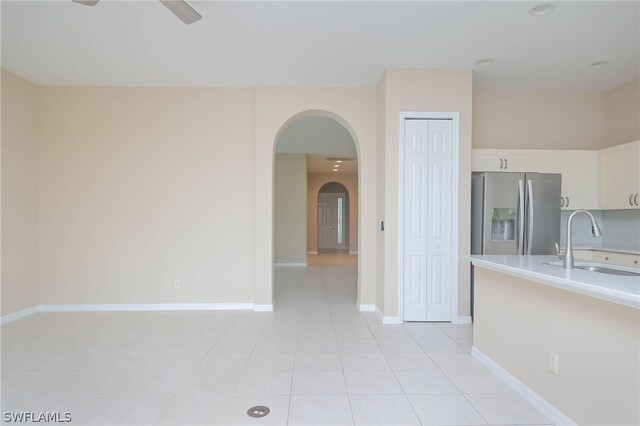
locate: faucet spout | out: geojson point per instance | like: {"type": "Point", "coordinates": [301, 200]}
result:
{"type": "Point", "coordinates": [568, 262]}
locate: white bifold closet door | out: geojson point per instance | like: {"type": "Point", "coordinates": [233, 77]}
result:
{"type": "Point", "coordinates": [427, 221]}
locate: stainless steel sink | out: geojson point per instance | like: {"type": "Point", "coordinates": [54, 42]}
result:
{"type": "Point", "coordinates": [601, 269]}
{"type": "Point", "coordinates": [609, 271]}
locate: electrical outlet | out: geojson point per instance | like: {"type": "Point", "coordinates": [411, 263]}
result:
{"type": "Point", "coordinates": [178, 284]}
{"type": "Point", "coordinates": [553, 362]}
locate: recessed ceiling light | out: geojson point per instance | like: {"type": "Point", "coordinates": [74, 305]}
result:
{"type": "Point", "coordinates": [484, 62]}
{"type": "Point", "coordinates": [541, 9]}
{"type": "Point", "coordinates": [336, 165]}
{"type": "Point", "coordinates": [598, 65]}
{"type": "Point", "coordinates": [338, 161]}
{"type": "Point", "coordinates": [335, 170]}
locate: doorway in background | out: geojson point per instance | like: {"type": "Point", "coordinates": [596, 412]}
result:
{"type": "Point", "coordinates": [333, 213]}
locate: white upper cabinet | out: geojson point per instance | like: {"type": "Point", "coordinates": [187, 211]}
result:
{"type": "Point", "coordinates": [620, 177]}
{"type": "Point", "coordinates": [504, 160]}
{"type": "Point", "coordinates": [579, 171]}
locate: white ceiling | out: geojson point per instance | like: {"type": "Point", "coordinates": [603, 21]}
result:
{"type": "Point", "coordinates": [140, 43]}
{"type": "Point", "coordinates": [316, 135]}
{"type": "Point", "coordinates": [320, 164]}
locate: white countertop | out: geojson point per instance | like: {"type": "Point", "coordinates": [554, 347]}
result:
{"type": "Point", "coordinates": [624, 290]}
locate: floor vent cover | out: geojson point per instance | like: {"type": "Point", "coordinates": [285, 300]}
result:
{"type": "Point", "coordinates": [258, 411]}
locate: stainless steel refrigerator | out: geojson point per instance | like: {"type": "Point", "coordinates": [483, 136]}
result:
{"type": "Point", "coordinates": [515, 213]}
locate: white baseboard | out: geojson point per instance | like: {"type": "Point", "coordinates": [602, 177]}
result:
{"type": "Point", "coordinates": [367, 308]}
{"type": "Point", "coordinates": [312, 252]}
{"type": "Point", "coordinates": [148, 307]}
{"type": "Point", "coordinates": [291, 265]}
{"type": "Point", "coordinates": [5, 319]}
{"type": "Point", "coordinates": [391, 320]}
{"type": "Point", "coordinates": [549, 411]}
{"type": "Point", "coordinates": [387, 320]}
{"type": "Point", "coordinates": [263, 308]}
{"type": "Point", "coordinates": [461, 320]}
{"type": "Point", "coordinates": [133, 307]}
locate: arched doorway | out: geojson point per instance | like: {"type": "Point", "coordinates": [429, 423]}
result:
{"type": "Point", "coordinates": [315, 171]}
{"type": "Point", "coordinates": [332, 214]}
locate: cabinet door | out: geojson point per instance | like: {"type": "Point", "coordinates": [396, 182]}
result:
{"type": "Point", "coordinates": [521, 160]}
{"type": "Point", "coordinates": [504, 160]}
{"type": "Point", "coordinates": [487, 160]}
{"type": "Point", "coordinates": [622, 259]}
{"type": "Point", "coordinates": [579, 171]}
{"type": "Point", "coordinates": [620, 177]}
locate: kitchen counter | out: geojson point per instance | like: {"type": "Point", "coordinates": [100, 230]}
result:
{"type": "Point", "coordinates": [623, 290]}
{"type": "Point", "coordinates": [567, 341]}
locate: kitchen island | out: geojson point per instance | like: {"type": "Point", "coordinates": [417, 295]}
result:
{"type": "Point", "coordinates": [568, 341]}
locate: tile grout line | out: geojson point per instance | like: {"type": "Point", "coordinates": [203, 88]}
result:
{"type": "Point", "coordinates": [293, 370]}
{"type": "Point", "coordinates": [344, 378]}
{"type": "Point", "coordinates": [173, 397]}
{"type": "Point", "coordinates": [452, 382]}
{"type": "Point", "coordinates": [384, 355]}
{"type": "Point", "coordinates": [403, 390]}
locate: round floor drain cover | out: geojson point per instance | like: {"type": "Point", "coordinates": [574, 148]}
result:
{"type": "Point", "coordinates": [258, 411]}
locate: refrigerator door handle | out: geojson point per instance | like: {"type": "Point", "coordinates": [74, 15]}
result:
{"type": "Point", "coordinates": [520, 217]}
{"type": "Point", "coordinates": [530, 208]}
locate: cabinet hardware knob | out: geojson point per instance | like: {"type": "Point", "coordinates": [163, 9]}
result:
{"type": "Point", "coordinates": [635, 199]}
{"type": "Point", "coordinates": [567, 201]}
{"type": "Point", "coordinates": [631, 199]}
{"type": "Point", "coordinates": [501, 164]}
{"type": "Point", "coordinates": [506, 164]}
{"type": "Point", "coordinates": [606, 258]}
{"type": "Point", "coordinates": [635, 262]}
{"type": "Point", "coordinates": [561, 201]}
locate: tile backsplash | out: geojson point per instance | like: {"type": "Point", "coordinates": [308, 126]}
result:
{"type": "Point", "coordinates": [620, 228]}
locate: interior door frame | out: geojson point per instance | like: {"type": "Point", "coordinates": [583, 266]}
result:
{"type": "Point", "coordinates": [455, 118]}
{"type": "Point", "coordinates": [339, 246]}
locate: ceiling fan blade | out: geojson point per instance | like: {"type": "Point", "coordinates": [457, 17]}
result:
{"type": "Point", "coordinates": [87, 2]}
{"type": "Point", "coordinates": [182, 10]}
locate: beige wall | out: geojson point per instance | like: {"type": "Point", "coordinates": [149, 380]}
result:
{"type": "Point", "coordinates": [290, 208]}
{"type": "Point", "coordinates": [538, 119]}
{"type": "Point", "coordinates": [314, 183]}
{"type": "Point", "coordinates": [355, 109]}
{"type": "Point", "coordinates": [517, 324]}
{"type": "Point", "coordinates": [19, 194]}
{"type": "Point", "coordinates": [143, 186]}
{"type": "Point", "coordinates": [436, 91]}
{"type": "Point", "coordinates": [622, 114]}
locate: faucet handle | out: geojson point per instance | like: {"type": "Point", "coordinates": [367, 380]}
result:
{"type": "Point", "coordinates": [560, 256]}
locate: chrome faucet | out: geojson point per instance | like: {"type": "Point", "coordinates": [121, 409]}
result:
{"type": "Point", "coordinates": [568, 251]}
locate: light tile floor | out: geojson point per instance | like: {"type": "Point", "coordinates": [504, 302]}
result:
{"type": "Point", "coordinates": [315, 360]}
